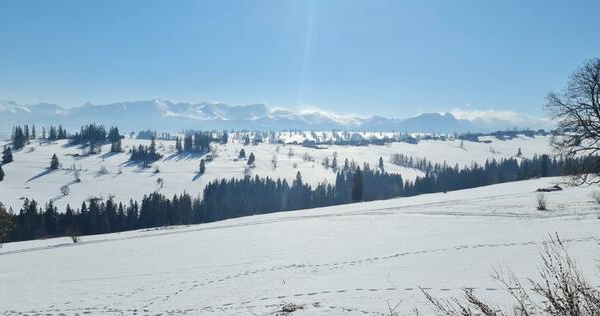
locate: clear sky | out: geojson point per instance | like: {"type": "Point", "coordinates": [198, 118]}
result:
{"type": "Point", "coordinates": [394, 58]}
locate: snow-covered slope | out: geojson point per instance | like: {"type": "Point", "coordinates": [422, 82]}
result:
{"type": "Point", "coordinates": [344, 260]}
{"type": "Point", "coordinates": [28, 176]}
{"type": "Point", "coordinates": [177, 116]}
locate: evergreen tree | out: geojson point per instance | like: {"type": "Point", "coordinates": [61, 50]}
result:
{"type": "Point", "coordinates": [381, 164]}
{"type": "Point", "coordinates": [519, 152]}
{"type": "Point", "coordinates": [187, 142]}
{"type": "Point", "coordinates": [54, 162]}
{"type": "Point", "coordinates": [202, 166]}
{"type": "Point", "coordinates": [357, 186]}
{"type": "Point", "coordinates": [250, 159]}
{"type": "Point", "coordinates": [178, 144]}
{"type": "Point", "coordinates": [334, 163]}
{"type": "Point", "coordinates": [242, 154]}
{"type": "Point", "coordinates": [52, 134]}
{"type": "Point", "coordinates": [7, 156]}
{"type": "Point", "coordinates": [115, 139]}
{"type": "Point", "coordinates": [1, 173]}
{"type": "Point", "coordinates": [18, 138]}
{"type": "Point", "coordinates": [26, 133]}
{"type": "Point", "coordinates": [247, 140]}
{"type": "Point", "coordinates": [224, 138]}
{"type": "Point", "coordinates": [51, 219]}
{"type": "Point", "coordinates": [33, 136]}
{"type": "Point", "coordinates": [6, 224]}
{"type": "Point", "coordinates": [67, 222]}
{"type": "Point", "coordinates": [545, 165]}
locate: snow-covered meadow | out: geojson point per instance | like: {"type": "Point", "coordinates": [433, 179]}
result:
{"type": "Point", "coordinates": [112, 175]}
{"type": "Point", "coordinates": [342, 260]}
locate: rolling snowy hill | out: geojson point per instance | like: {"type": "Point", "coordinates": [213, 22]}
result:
{"type": "Point", "coordinates": [28, 176]}
{"type": "Point", "coordinates": [344, 260]}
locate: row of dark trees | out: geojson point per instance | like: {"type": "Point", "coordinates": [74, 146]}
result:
{"type": "Point", "coordinates": [224, 199]}
{"type": "Point", "coordinates": [145, 154]}
{"type": "Point", "coordinates": [194, 142]}
{"type": "Point", "coordinates": [21, 136]}
{"type": "Point", "coordinates": [92, 134]}
{"type": "Point", "coordinates": [94, 217]}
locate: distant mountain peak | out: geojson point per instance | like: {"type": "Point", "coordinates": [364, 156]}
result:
{"type": "Point", "coordinates": [166, 115]}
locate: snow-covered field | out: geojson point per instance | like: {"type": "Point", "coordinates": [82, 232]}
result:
{"type": "Point", "coordinates": [28, 176]}
{"type": "Point", "coordinates": [344, 260]}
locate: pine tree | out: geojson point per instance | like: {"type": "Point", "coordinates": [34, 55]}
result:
{"type": "Point", "coordinates": [26, 133]}
{"type": "Point", "coordinates": [7, 156]}
{"type": "Point", "coordinates": [357, 186]}
{"type": "Point", "coordinates": [224, 138]}
{"type": "Point", "coordinates": [51, 219]}
{"type": "Point", "coordinates": [545, 163]}
{"type": "Point", "coordinates": [334, 163]}
{"type": "Point", "coordinates": [242, 154]}
{"type": "Point", "coordinates": [250, 159]}
{"type": "Point", "coordinates": [247, 140]}
{"type": "Point", "coordinates": [381, 164]}
{"type": "Point", "coordinates": [6, 223]}
{"type": "Point", "coordinates": [202, 166]}
{"type": "Point", "coordinates": [178, 145]}
{"type": "Point", "coordinates": [115, 139]}
{"type": "Point", "coordinates": [187, 142]}
{"type": "Point", "coordinates": [519, 152]}
{"type": "Point", "coordinates": [18, 139]}
{"type": "Point", "coordinates": [1, 173]}
{"type": "Point", "coordinates": [54, 162]}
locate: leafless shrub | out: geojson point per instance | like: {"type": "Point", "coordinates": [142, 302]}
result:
{"type": "Point", "coordinates": [103, 170]}
{"type": "Point", "coordinates": [596, 197]}
{"type": "Point", "coordinates": [274, 161]}
{"type": "Point", "coordinates": [64, 190]}
{"type": "Point", "coordinates": [541, 201]}
{"type": "Point", "coordinates": [290, 308]}
{"type": "Point", "coordinates": [77, 176]}
{"type": "Point", "coordinates": [392, 310]}
{"type": "Point", "coordinates": [561, 286]}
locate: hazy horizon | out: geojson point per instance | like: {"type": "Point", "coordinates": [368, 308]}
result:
{"type": "Point", "coordinates": [394, 59]}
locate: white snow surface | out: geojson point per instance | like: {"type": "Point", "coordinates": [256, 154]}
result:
{"type": "Point", "coordinates": [343, 260]}
{"type": "Point", "coordinates": [28, 176]}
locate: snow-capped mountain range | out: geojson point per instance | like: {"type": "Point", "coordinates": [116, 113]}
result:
{"type": "Point", "coordinates": [169, 116]}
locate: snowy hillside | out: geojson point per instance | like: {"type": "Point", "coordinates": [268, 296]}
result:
{"type": "Point", "coordinates": [343, 260]}
{"type": "Point", "coordinates": [112, 175]}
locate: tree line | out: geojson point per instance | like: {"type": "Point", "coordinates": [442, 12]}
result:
{"type": "Point", "coordinates": [230, 198]}
{"type": "Point", "coordinates": [22, 135]}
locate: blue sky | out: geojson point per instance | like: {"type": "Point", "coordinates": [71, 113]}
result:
{"type": "Point", "coordinates": [393, 58]}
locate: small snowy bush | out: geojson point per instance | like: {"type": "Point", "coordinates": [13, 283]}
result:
{"type": "Point", "coordinates": [541, 201]}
